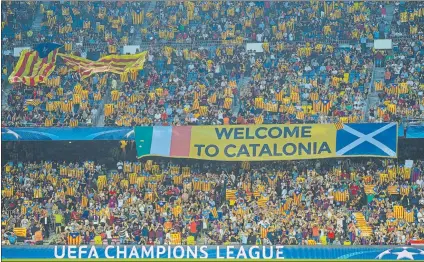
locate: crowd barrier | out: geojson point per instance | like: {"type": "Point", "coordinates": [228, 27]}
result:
{"type": "Point", "coordinates": [199, 43]}
{"type": "Point", "coordinates": [214, 252]}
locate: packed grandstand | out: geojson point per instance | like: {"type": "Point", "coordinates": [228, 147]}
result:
{"type": "Point", "coordinates": [211, 63]}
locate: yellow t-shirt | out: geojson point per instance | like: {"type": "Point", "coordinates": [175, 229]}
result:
{"type": "Point", "coordinates": [323, 240]}
{"type": "Point", "coordinates": [98, 240]}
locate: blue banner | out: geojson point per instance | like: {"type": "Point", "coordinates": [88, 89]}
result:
{"type": "Point", "coordinates": [215, 252]}
{"type": "Point", "coordinates": [67, 133]}
{"type": "Point", "coordinates": [414, 132]}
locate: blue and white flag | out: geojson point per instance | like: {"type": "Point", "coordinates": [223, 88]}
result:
{"type": "Point", "coordinates": [367, 140]}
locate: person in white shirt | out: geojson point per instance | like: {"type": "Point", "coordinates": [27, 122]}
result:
{"type": "Point", "coordinates": [259, 37]}
{"type": "Point", "coordinates": [109, 235]}
{"type": "Point", "coordinates": [114, 84]}
{"type": "Point", "coordinates": [420, 215]}
{"type": "Point", "coordinates": [420, 182]}
{"type": "Point", "coordinates": [25, 223]}
{"type": "Point", "coordinates": [150, 57]}
{"type": "Point", "coordinates": [120, 165]}
{"type": "Point", "coordinates": [157, 116]}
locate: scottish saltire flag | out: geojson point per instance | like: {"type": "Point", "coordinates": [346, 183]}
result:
{"type": "Point", "coordinates": [44, 49]}
{"type": "Point", "coordinates": [367, 140]}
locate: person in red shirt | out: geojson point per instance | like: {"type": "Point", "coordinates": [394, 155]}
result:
{"type": "Point", "coordinates": [383, 11]}
{"type": "Point", "coordinates": [75, 215]}
{"type": "Point", "coordinates": [315, 233]}
{"type": "Point", "coordinates": [354, 189]}
{"type": "Point", "coordinates": [331, 235]}
{"type": "Point", "coordinates": [164, 116]}
{"type": "Point", "coordinates": [379, 59]}
{"type": "Point", "coordinates": [387, 76]}
{"type": "Point", "coordinates": [193, 228]}
{"type": "Point", "coordinates": [240, 120]}
{"type": "Point", "coordinates": [345, 175]}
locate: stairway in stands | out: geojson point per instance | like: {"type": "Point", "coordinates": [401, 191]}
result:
{"type": "Point", "coordinates": [373, 100]}
{"type": "Point", "coordinates": [390, 9]}
{"type": "Point", "coordinates": [362, 224]}
{"type": "Point", "coordinates": [378, 74]}
{"type": "Point", "coordinates": [36, 24]}
{"type": "Point", "coordinates": [241, 84]}
{"type": "Point", "coordinates": [137, 38]}
{"type": "Point", "coordinates": [99, 120]}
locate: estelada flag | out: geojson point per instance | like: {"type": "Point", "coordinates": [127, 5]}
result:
{"type": "Point", "coordinates": [31, 69]}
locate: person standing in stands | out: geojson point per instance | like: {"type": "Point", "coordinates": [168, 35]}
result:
{"type": "Point", "coordinates": [38, 237]}
{"type": "Point", "coordinates": [58, 217]}
{"type": "Point", "coordinates": [45, 221]}
{"type": "Point", "coordinates": [193, 229]}
{"type": "Point", "coordinates": [12, 238]}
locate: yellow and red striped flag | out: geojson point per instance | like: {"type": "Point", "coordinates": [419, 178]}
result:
{"type": "Point", "coordinates": [398, 211]}
{"type": "Point", "coordinates": [175, 239]}
{"type": "Point", "coordinates": [263, 200]}
{"type": "Point", "coordinates": [297, 197]}
{"type": "Point", "coordinates": [341, 196]}
{"type": "Point", "coordinates": [263, 231]}
{"type": "Point", "coordinates": [214, 212]}
{"type": "Point", "coordinates": [20, 231]}
{"type": "Point", "coordinates": [74, 238]}
{"type": "Point", "coordinates": [117, 64]}
{"type": "Point", "coordinates": [408, 215]}
{"type": "Point", "coordinates": [339, 125]}
{"type": "Point", "coordinates": [393, 190]}
{"type": "Point", "coordinates": [31, 69]}
{"type": "Point", "coordinates": [230, 194]}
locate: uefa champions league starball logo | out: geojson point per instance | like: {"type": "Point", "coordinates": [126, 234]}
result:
{"type": "Point", "coordinates": [404, 253]}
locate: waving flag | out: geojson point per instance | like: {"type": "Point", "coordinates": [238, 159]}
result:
{"type": "Point", "coordinates": [117, 64]}
{"type": "Point", "coordinates": [44, 49]}
{"type": "Point", "coordinates": [74, 238]}
{"type": "Point", "coordinates": [32, 69]}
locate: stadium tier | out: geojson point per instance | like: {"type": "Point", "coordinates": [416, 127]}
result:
{"type": "Point", "coordinates": [259, 62]}
{"type": "Point", "coordinates": [212, 129]}
{"type": "Point", "coordinates": [183, 202]}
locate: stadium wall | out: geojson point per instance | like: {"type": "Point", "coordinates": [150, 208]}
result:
{"type": "Point", "coordinates": [108, 153]}
{"type": "Point", "coordinates": [362, 253]}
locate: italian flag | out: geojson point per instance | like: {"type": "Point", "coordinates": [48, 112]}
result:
{"type": "Point", "coordinates": [417, 242]}
{"type": "Point", "coordinates": [163, 141]}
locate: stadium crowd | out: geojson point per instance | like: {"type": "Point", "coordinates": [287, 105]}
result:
{"type": "Point", "coordinates": [301, 75]}
{"type": "Point", "coordinates": [109, 25]}
{"type": "Point", "coordinates": [162, 201]}
{"type": "Point", "coordinates": [401, 92]}
{"type": "Point", "coordinates": [311, 81]}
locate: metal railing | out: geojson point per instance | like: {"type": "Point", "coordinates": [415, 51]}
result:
{"type": "Point", "coordinates": [206, 43]}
